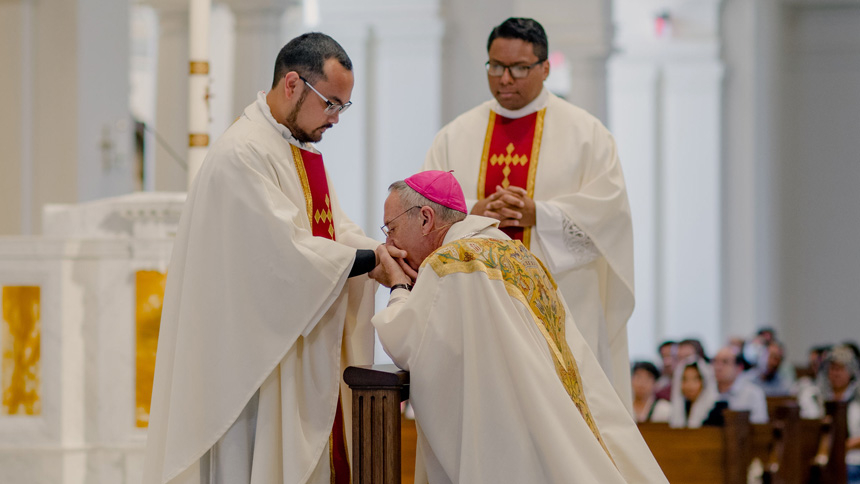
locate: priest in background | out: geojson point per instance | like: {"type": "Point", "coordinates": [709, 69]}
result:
{"type": "Point", "coordinates": [504, 387]}
{"type": "Point", "coordinates": [267, 297]}
{"type": "Point", "coordinates": [549, 172]}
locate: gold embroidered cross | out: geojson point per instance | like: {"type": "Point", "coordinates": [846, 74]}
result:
{"type": "Point", "coordinates": [325, 215]}
{"type": "Point", "coordinates": [507, 160]}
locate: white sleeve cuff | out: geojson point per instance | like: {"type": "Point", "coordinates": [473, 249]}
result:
{"type": "Point", "coordinates": [398, 296]}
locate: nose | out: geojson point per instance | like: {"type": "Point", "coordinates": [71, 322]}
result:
{"type": "Point", "coordinates": [334, 118]}
{"type": "Point", "coordinates": [507, 78]}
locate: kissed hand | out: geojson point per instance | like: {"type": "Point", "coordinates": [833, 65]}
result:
{"type": "Point", "coordinates": [390, 271]}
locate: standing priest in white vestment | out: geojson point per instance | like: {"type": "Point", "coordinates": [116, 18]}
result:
{"type": "Point", "coordinates": [267, 297]}
{"type": "Point", "coordinates": [504, 387]}
{"type": "Point", "coordinates": [550, 172]}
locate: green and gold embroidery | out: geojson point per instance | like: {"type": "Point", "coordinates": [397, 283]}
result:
{"type": "Point", "coordinates": [527, 280]}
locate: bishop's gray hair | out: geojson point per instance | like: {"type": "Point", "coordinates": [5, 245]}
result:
{"type": "Point", "coordinates": [410, 198]}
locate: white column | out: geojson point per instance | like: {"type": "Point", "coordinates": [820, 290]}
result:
{"type": "Point", "coordinates": [691, 200]}
{"type": "Point", "coordinates": [171, 111]}
{"type": "Point", "coordinates": [258, 41]}
{"type": "Point", "coordinates": [104, 125]}
{"type": "Point", "coordinates": [665, 99]}
{"type": "Point", "coordinates": [198, 86]}
{"type": "Point", "coordinates": [16, 118]}
{"type": "Point", "coordinates": [634, 114]}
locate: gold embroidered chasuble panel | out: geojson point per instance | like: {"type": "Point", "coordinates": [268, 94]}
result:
{"type": "Point", "coordinates": [527, 280]}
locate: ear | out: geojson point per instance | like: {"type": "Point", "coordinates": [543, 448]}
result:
{"type": "Point", "coordinates": [428, 219]}
{"type": "Point", "coordinates": [545, 67]}
{"type": "Point", "coordinates": [291, 84]}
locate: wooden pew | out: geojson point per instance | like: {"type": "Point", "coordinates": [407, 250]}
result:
{"type": "Point", "coordinates": [825, 451]}
{"type": "Point", "coordinates": [775, 402]}
{"type": "Point", "coordinates": [707, 455]}
{"type": "Point", "coordinates": [792, 450]}
{"type": "Point", "coordinates": [376, 395]}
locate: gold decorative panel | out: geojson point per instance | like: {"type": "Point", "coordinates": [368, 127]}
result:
{"type": "Point", "coordinates": [149, 300]}
{"type": "Point", "coordinates": [20, 336]}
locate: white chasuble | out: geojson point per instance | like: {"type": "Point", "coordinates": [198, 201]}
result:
{"type": "Point", "coordinates": [255, 304]}
{"type": "Point", "coordinates": [583, 232]}
{"type": "Point", "coordinates": [498, 392]}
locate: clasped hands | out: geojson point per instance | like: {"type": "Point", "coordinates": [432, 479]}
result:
{"type": "Point", "coordinates": [391, 267]}
{"type": "Point", "coordinates": [511, 206]}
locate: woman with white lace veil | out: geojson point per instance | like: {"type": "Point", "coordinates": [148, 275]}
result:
{"type": "Point", "coordinates": [694, 392]}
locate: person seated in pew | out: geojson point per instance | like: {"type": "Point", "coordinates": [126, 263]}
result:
{"type": "Point", "coordinates": [646, 406]}
{"type": "Point", "coordinates": [737, 393]}
{"type": "Point", "coordinates": [770, 374]}
{"type": "Point", "coordinates": [669, 357]}
{"type": "Point", "coordinates": [838, 379]}
{"type": "Point", "coordinates": [499, 394]}
{"type": "Point", "coordinates": [694, 393]}
{"type": "Point", "coordinates": [691, 349]}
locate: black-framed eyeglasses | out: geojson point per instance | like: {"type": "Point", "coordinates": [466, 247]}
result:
{"type": "Point", "coordinates": [517, 72]}
{"type": "Point", "coordinates": [386, 230]}
{"type": "Point", "coordinates": [330, 107]}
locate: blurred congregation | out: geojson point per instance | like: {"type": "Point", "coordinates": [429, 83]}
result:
{"type": "Point", "coordinates": [686, 387]}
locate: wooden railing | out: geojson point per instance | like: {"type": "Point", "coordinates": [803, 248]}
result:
{"type": "Point", "coordinates": [376, 395]}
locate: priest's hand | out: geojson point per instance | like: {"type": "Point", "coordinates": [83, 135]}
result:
{"type": "Point", "coordinates": [389, 271]}
{"type": "Point", "coordinates": [512, 206]}
{"type": "Point", "coordinates": [480, 207]}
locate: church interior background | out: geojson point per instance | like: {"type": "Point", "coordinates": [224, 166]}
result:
{"type": "Point", "coordinates": [737, 121]}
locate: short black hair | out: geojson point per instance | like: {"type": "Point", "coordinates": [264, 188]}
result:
{"type": "Point", "coordinates": [665, 344]}
{"type": "Point", "coordinates": [307, 54]}
{"type": "Point", "coordinates": [741, 361]}
{"type": "Point", "coordinates": [697, 345]}
{"type": "Point", "coordinates": [525, 29]}
{"type": "Point", "coordinates": [647, 366]}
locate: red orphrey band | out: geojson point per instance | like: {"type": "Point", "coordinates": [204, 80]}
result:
{"type": "Point", "coordinates": [510, 158]}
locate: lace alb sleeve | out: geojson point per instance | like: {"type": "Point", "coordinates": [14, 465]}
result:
{"type": "Point", "coordinates": [565, 245]}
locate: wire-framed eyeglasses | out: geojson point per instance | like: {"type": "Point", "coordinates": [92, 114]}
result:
{"type": "Point", "coordinates": [330, 107]}
{"type": "Point", "coordinates": [386, 230]}
{"type": "Point", "coordinates": [517, 72]}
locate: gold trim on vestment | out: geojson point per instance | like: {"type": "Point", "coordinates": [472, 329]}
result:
{"type": "Point", "coordinates": [303, 178]}
{"type": "Point", "coordinates": [198, 67]}
{"type": "Point", "coordinates": [198, 140]}
{"type": "Point", "coordinates": [527, 280]}
{"type": "Point", "coordinates": [331, 458]}
{"type": "Point", "coordinates": [485, 156]}
{"type": "Point", "coordinates": [530, 188]}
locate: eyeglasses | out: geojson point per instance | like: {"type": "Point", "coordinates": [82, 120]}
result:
{"type": "Point", "coordinates": [517, 72]}
{"type": "Point", "coordinates": [386, 230]}
{"type": "Point", "coordinates": [330, 107]}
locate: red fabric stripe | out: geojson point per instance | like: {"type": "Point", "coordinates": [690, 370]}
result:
{"type": "Point", "coordinates": [520, 132]}
{"type": "Point", "coordinates": [321, 215]}
{"type": "Point", "coordinates": [340, 459]}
